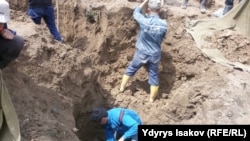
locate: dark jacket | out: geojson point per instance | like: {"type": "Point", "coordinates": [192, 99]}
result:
{"type": "Point", "coordinates": [40, 3]}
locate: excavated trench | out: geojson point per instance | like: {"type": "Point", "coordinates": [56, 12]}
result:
{"type": "Point", "coordinates": [116, 33]}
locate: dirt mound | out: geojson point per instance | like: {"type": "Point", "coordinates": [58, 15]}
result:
{"type": "Point", "coordinates": [54, 86]}
{"type": "Point", "coordinates": [231, 45]}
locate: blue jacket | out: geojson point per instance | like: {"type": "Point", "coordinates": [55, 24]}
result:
{"type": "Point", "coordinates": [40, 3]}
{"type": "Point", "coordinates": [128, 126]}
{"type": "Point", "coordinates": [153, 30]}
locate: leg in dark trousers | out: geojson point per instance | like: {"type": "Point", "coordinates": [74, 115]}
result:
{"type": "Point", "coordinates": [203, 6]}
{"type": "Point", "coordinates": [49, 19]}
{"type": "Point", "coordinates": [229, 2]}
{"type": "Point", "coordinates": [228, 6]}
{"type": "Point", "coordinates": [47, 13]}
{"type": "Point", "coordinates": [10, 50]}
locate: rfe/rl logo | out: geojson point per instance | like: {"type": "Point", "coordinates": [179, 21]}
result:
{"type": "Point", "coordinates": [226, 132]}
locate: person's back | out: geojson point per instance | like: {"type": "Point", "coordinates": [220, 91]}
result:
{"type": "Point", "coordinates": [120, 123]}
{"type": "Point", "coordinates": [125, 122]}
{"type": "Point", "coordinates": [152, 32]}
{"type": "Point", "coordinates": [115, 114]}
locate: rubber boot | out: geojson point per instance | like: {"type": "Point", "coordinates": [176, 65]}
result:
{"type": "Point", "coordinates": [203, 6]}
{"type": "Point", "coordinates": [184, 4]}
{"type": "Point", "coordinates": [125, 79]}
{"type": "Point", "coordinates": [153, 93]}
{"type": "Point", "coordinates": [227, 9]}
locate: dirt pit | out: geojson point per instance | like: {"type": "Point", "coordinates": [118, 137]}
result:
{"type": "Point", "coordinates": [54, 86]}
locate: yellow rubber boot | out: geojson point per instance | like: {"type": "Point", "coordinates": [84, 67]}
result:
{"type": "Point", "coordinates": [125, 79]}
{"type": "Point", "coordinates": [153, 93]}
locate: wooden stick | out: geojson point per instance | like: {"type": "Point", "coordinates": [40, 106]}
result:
{"type": "Point", "coordinates": [57, 14]}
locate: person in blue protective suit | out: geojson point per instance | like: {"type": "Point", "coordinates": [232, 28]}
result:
{"type": "Point", "coordinates": [148, 46]}
{"type": "Point", "coordinates": [120, 124]}
{"type": "Point", "coordinates": [10, 43]}
{"type": "Point", "coordinates": [39, 9]}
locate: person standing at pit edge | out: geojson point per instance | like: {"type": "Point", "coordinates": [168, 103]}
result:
{"type": "Point", "coordinates": [39, 9]}
{"type": "Point", "coordinates": [10, 43]}
{"type": "Point", "coordinates": [203, 4]}
{"type": "Point", "coordinates": [120, 124]}
{"type": "Point", "coordinates": [229, 4]}
{"type": "Point", "coordinates": [153, 30]}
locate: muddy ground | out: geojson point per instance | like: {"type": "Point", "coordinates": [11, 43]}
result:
{"type": "Point", "coordinates": [54, 86]}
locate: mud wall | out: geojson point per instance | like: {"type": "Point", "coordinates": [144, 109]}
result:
{"type": "Point", "coordinates": [68, 18]}
{"type": "Point", "coordinates": [19, 5]}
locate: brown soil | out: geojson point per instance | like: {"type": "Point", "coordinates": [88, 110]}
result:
{"type": "Point", "coordinates": [54, 86]}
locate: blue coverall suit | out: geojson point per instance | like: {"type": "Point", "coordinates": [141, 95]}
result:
{"type": "Point", "coordinates": [152, 32]}
{"type": "Point", "coordinates": [127, 127]}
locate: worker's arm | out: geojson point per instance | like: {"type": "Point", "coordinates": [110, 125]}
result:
{"type": "Point", "coordinates": [143, 3]}
{"type": "Point", "coordinates": [132, 126]}
{"type": "Point", "coordinates": [138, 15]}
